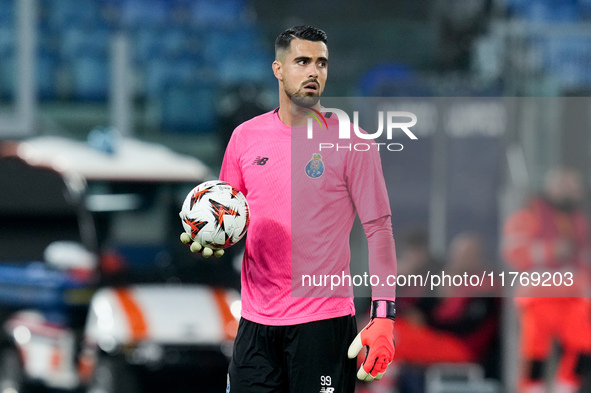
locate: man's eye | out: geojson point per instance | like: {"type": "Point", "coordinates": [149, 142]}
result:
{"type": "Point", "coordinates": [302, 62]}
{"type": "Point", "coordinates": [322, 64]}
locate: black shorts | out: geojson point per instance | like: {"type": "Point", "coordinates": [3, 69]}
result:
{"type": "Point", "coordinates": [305, 358]}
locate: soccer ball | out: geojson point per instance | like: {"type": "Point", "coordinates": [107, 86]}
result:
{"type": "Point", "coordinates": [215, 214]}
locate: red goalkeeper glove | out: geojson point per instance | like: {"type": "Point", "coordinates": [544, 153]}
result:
{"type": "Point", "coordinates": [378, 337]}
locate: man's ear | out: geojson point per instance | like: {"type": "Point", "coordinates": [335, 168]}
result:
{"type": "Point", "coordinates": [278, 70]}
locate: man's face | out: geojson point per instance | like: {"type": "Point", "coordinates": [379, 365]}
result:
{"type": "Point", "coordinates": [303, 70]}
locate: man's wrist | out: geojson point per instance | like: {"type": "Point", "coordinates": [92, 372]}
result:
{"type": "Point", "coordinates": [383, 309]}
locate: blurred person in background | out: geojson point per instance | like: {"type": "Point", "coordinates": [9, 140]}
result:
{"type": "Point", "coordinates": [455, 324]}
{"type": "Point", "coordinates": [415, 258]}
{"type": "Point", "coordinates": [551, 234]}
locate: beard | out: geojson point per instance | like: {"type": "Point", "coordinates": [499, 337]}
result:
{"type": "Point", "coordinates": [301, 99]}
{"type": "Point", "coordinates": [306, 101]}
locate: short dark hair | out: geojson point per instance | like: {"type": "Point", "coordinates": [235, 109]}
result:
{"type": "Point", "coordinates": [307, 33]}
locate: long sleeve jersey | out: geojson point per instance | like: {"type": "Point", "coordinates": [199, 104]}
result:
{"type": "Point", "coordinates": [303, 202]}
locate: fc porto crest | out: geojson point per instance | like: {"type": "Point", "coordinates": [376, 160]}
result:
{"type": "Point", "coordinates": [315, 167]}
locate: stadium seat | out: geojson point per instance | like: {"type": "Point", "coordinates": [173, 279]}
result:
{"type": "Point", "coordinates": [167, 49]}
{"type": "Point", "coordinates": [235, 70]}
{"type": "Point", "coordinates": [150, 13]}
{"type": "Point", "coordinates": [155, 76]}
{"type": "Point", "coordinates": [63, 13]}
{"type": "Point", "coordinates": [8, 56]}
{"type": "Point", "coordinates": [218, 13]}
{"type": "Point", "coordinates": [548, 10]}
{"type": "Point", "coordinates": [173, 42]}
{"type": "Point", "coordinates": [7, 39]}
{"type": "Point", "coordinates": [159, 72]}
{"type": "Point", "coordinates": [46, 69]}
{"type": "Point", "coordinates": [47, 63]}
{"type": "Point", "coordinates": [109, 13]}
{"type": "Point", "coordinates": [6, 12]}
{"type": "Point", "coordinates": [90, 76]}
{"type": "Point", "coordinates": [77, 38]}
{"type": "Point", "coordinates": [397, 80]}
{"type": "Point", "coordinates": [145, 44]}
{"type": "Point", "coordinates": [244, 60]}
{"type": "Point", "coordinates": [585, 8]}
{"type": "Point", "coordinates": [160, 42]}
{"type": "Point", "coordinates": [7, 72]}
{"type": "Point", "coordinates": [218, 44]}
{"type": "Point", "coordinates": [223, 42]}
{"type": "Point", "coordinates": [189, 108]}
{"type": "Point", "coordinates": [568, 59]}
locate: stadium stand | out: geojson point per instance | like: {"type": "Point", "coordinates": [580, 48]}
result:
{"type": "Point", "coordinates": [174, 43]}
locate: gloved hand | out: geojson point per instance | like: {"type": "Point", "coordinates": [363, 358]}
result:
{"type": "Point", "coordinates": [378, 337]}
{"type": "Point", "coordinates": [197, 247]}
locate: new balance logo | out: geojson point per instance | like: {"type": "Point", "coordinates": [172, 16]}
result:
{"type": "Point", "coordinates": [260, 160]}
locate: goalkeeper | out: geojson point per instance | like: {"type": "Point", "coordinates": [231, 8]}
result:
{"type": "Point", "coordinates": [308, 343]}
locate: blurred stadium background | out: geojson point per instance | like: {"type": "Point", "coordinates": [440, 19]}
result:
{"type": "Point", "coordinates": [183, 73]}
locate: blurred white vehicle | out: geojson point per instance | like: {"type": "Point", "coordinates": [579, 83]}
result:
{"type": "Point", "coordinates": [96, 290]}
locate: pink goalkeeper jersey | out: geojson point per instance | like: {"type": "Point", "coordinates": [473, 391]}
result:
{"type": "Point", "coordinates": [323, 199]}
